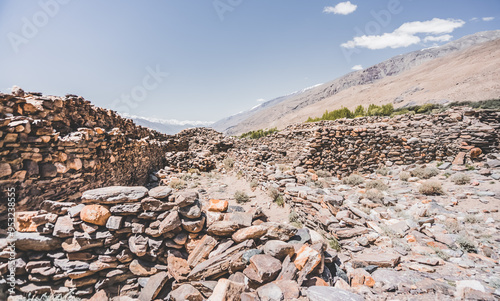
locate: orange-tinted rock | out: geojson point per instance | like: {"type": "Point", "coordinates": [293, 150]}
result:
{"type": "Point", "coordinates": [303, 255]}
{"type": "Point", "coordinates": [218, 205]}
{"type": "Point", "coordinates": [459, 159]}
{"type": "Point", "coordinates": [251, 232]}
{"type": "Point", "coordinates": [25, 222]}
{"type": "Point", "coordinates": [360, 277]}
{"type": "Point", "coordinates": [95, 214]}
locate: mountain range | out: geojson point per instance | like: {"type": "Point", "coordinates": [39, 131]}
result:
{"type": "Point", "coordinates": [464, 69]}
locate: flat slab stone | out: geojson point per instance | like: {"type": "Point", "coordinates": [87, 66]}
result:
{"type": "Point", "coordinates": [114, 194]}
{"type": "Point", "coordinates": [153, 286]}
{"type": "Point", "coordinates": [328, 293]}
{"type": "Point", "coordinates": [36, 242]}
{"type": "Point", "coordinates": [382, 259]}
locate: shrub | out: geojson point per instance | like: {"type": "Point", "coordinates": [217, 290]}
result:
{"type": "Point", "coordinates": [258, 133]}
{"type": "Point", "coordinates": [194, 171]}
{"type": "Point", "coordinates": [293, 217]}
{"type": "Point", "coordinates": [431, 188]}
{"type": "Point", "coordinates": [460, 179]}
{"type": "Point", "coordinates": [228, 163]}
{"type": "Point", "coordinates": [273, 193]}
{"type": "Point", "coordinates": [384, 171]}
{"type": "Point", "coordinates": [353, 180]}
{"type": "Point", "coordinates": [374, 195]}
{"type": "Point", "coordinates": [404, 176]}
{"type": "Point", "coordinates": [376, 184]}
{"type": "Point", "coordinates": [241, 197]}
{"type": "Point", "coordinates": [280, 201]}
{"type": "Point", "coordinates": [472, 219]}
{"type": "Point", "coordinates": [52, 297]}
{"type": "Point", "coordinates": [425, 173]}
{"type": "Point", "coordinates": [177, 184]}
{"type": "Point", "coordinates": [470, 167]}
{"type": "Point", "coordinates": [373, 110]}
{"type": "Point", "coordinates": [466, 245]}
{"type": "Point", "coordinates": [254, 183]}
{"type": "Point", "coordinates": [323, 173]}
{"type": "Point", "coordinates": [334, 244]}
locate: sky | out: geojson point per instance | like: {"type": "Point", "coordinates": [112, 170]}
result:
{"type": "Point", "coordinates": [203, 60]}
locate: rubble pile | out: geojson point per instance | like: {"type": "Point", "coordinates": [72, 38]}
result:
{"type": "Point", "coordinates": [160, 243]}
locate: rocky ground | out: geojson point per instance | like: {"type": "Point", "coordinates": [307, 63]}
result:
{"type": "Point", "coordinates": [416, 232]}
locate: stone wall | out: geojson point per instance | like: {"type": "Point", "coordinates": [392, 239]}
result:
{"type": "Point", "coordinates": [56, 147]}
{"type": "Point", "coordinates": [159, 244]}
{"type": "Point", "coordinates": [367, 143]}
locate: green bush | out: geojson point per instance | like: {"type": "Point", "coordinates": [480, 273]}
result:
{"type": "Point", "coordinates": [374, 195]}
{"type": "Point", "coordinates": [376, 184]}
{"type": "Point", "coordinates": [334, 244]}
{"type": "Point", "coordinates": [228, 163]}
{"type": "Point", "coordinates": [384, 171]}
{"type": "Point", "coordinates": [460, 179]}
{"type": "Point", "coordinates": [404, 176]}
{"type": "Point", "coordinates": [425, 173]}
{"type": "Point", "coordinates": [353, 180]}
{"type": "Point", "coordinates": [431, 188]}
{"type": "Point", "coordinates": [258, 133]}
{"type": "Point", "coordinates": [177, 184]}
{"type": "Point", "coordinates": [280, 201]}
{"type": "Point", "coordinates": [241, 197]}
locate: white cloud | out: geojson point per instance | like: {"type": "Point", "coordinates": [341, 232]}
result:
{"type": "Point", "coordinates": [488, 19]}
{"type": "Point", "coordinates": [406, 34]}
{"type": "Point", "coordinates": [434, 26]}
{"type": "Point", "coordinates": [357, 67]}
{"type": "Point", "coordinates": [343, 8]}
{"type": "Point", "coordinates": [261, 100]}
{"type": "Point", "coordinates": [443, 38]}
{"type": "Point", "coordinates": [474, 19]}
{"type": "Point", "coordinates": [392, 40]}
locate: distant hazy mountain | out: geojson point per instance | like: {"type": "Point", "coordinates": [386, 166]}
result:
{"type": "Point", "coordinates": [424, 86]}
{"type": "Point", "coordinates": [169, 127]}
{"type": "Point", "coordinates": [225, 124]}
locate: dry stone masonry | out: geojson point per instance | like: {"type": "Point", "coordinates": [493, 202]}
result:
{"type": "Point", "coordinates": [107, 210]}
{"type": "Point", "coordinates": [367, 143]}
{"type": "Point", "coordinates": [160, 243]}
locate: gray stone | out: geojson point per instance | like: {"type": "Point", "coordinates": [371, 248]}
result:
{"type": "Point", "coordinates": [114, 194]}
{"type": "Point", "coordinates": [186, 292]}
{"type": "Point", "coordinates": [138, 245]}
{"type": "Point", "coordinates": [328, 293]}
{"type": "Point", "coordinates": [64, 227]}
{"type": "Point", "coordinates": [193, 211]}
{"type": "Point", "coordinates": [193, 226]}
{"type": "Point", "coordinates": [36, 242]}
{"type": "Point", "coordinates": [444, 166]}
{"type": "Point", "coordinates": [186, 198]}
{"type": "Point", "coordinates": [153, 286]}
{"type": "Point", "coordinates": [160, 192]}
{"type": "Point", "coordinates": [279, 249]}
{"type": "Point", "coordinates": [126, 209]}
{"type": "Point", "coordinates": [152, 204]}
{"type": "Point", "coordinates": [170, 222]}
{"type": "Point", "coordinates": [114, 222]}
{"type": "Point", "coordinates": [270, 292]}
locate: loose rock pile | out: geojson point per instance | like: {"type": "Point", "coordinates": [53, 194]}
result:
{"type": "Point", "coordinates": [129, 241]}
{"type": "Point", "coordinates": [199, 149]}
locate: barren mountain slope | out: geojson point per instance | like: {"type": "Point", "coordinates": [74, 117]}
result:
{"type": "Point", "coordinates": [294, 108]}
{"type": "Point", "coordinates": [473, 74]}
